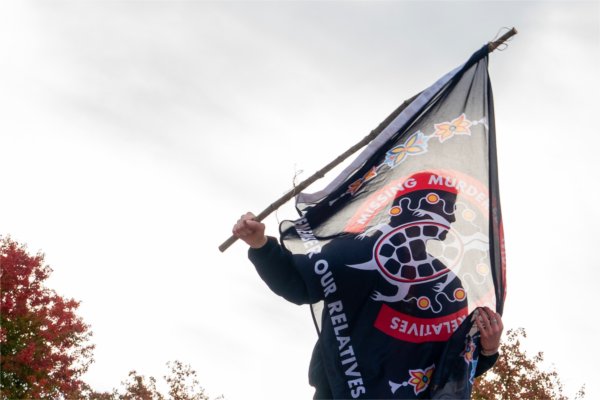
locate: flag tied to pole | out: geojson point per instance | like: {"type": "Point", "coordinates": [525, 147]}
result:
{"type": "Point", "coordinates": [405, 244]}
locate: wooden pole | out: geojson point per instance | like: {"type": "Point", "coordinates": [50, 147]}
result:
{"type": "Point", "coordinates": [494, 45]}
{"type": "Point", "coordinates": [321, 173]}
{"type": "Point", "coordinates": [363, 142]}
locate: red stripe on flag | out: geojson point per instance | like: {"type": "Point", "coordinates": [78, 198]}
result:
{"type": "Point", "coordinates": [418, 330]}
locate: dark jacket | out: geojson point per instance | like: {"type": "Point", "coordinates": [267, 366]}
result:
{"type": "Point", "coordinates": [275, 266]}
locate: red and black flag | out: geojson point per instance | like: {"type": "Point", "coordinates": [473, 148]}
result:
{"type": "Point", "coordinates": [405, 244]}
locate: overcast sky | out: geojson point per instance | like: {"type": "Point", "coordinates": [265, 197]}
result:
{"type": "Point", "coordinates": [134, 133]}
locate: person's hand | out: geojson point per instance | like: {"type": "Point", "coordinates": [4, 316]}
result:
{"type": "Point", "coordinates": [250, 231]}
{"type": "Point", "coordinates": [490, 329]}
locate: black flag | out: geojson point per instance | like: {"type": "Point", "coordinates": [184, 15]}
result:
{"type": "Point", "coordinates": [405, 244]}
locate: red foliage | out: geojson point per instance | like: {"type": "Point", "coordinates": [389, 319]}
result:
{"type": "Point", "coordinates": [44, 344]}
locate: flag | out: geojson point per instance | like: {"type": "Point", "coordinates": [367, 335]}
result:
{"type": "Point", "coordinates": [405, 244]}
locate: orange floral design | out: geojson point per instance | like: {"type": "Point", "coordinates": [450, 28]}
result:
{"type": "Point", "coordinates": [458, 126]}
{"type": "Point", "coordinates": [420, 379]}
{"type": "Point", "coordinates": [356, 185]}
{"type": "Point", "coordinates": [415, 144]}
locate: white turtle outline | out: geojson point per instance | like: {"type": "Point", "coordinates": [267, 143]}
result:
{"type": "Point", "coordinates": [403, 285]}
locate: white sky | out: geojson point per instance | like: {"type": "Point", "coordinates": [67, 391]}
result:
{"type": "Point", "coordinates": [134, 133]}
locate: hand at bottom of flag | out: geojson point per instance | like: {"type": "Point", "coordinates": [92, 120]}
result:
{"type": "Point", "coordinates": [250, 231]}
{"type": "Point", "coordinates": [490, 328]}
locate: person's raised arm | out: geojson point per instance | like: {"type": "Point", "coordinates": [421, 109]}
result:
{"type": "Point", "coordinates": [273, 263]}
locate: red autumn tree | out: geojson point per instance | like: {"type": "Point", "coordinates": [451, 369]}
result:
{"type": "Point", "coordinates": [44, 345]}
{"type": "Point", "coordinates": [519, 376]}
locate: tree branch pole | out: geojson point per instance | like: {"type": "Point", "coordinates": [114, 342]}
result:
{"type": "Point", "coordinates": [321, 173]}
{"type": "Point", "coordinates": [363, 142]}
{"type": "Point", "coordinates": [494, 45]}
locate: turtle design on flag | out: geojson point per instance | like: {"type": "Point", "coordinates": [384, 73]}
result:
{"type": "Point", "coordinates": [403, 253]}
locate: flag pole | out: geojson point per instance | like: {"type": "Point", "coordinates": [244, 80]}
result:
{"type": "Point", "coordinates": [494, 45]}
{"type": "Point", "coordinates": [321, 173]}
{"type": "Point", "coordinates": [353, 149]}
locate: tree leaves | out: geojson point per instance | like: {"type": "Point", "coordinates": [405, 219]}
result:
{"type": "Point", "coordinates": [45, 346]}
{"type": "Point", "coordinates": [181, 382]}
{"type": "Point", "coordinates": [518, 376]}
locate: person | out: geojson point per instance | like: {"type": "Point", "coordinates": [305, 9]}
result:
{"type": "Point", "coordinates": [275, 267]}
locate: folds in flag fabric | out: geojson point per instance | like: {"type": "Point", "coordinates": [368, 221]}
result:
{"type": "Point", "coordinates": [402, 247]}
